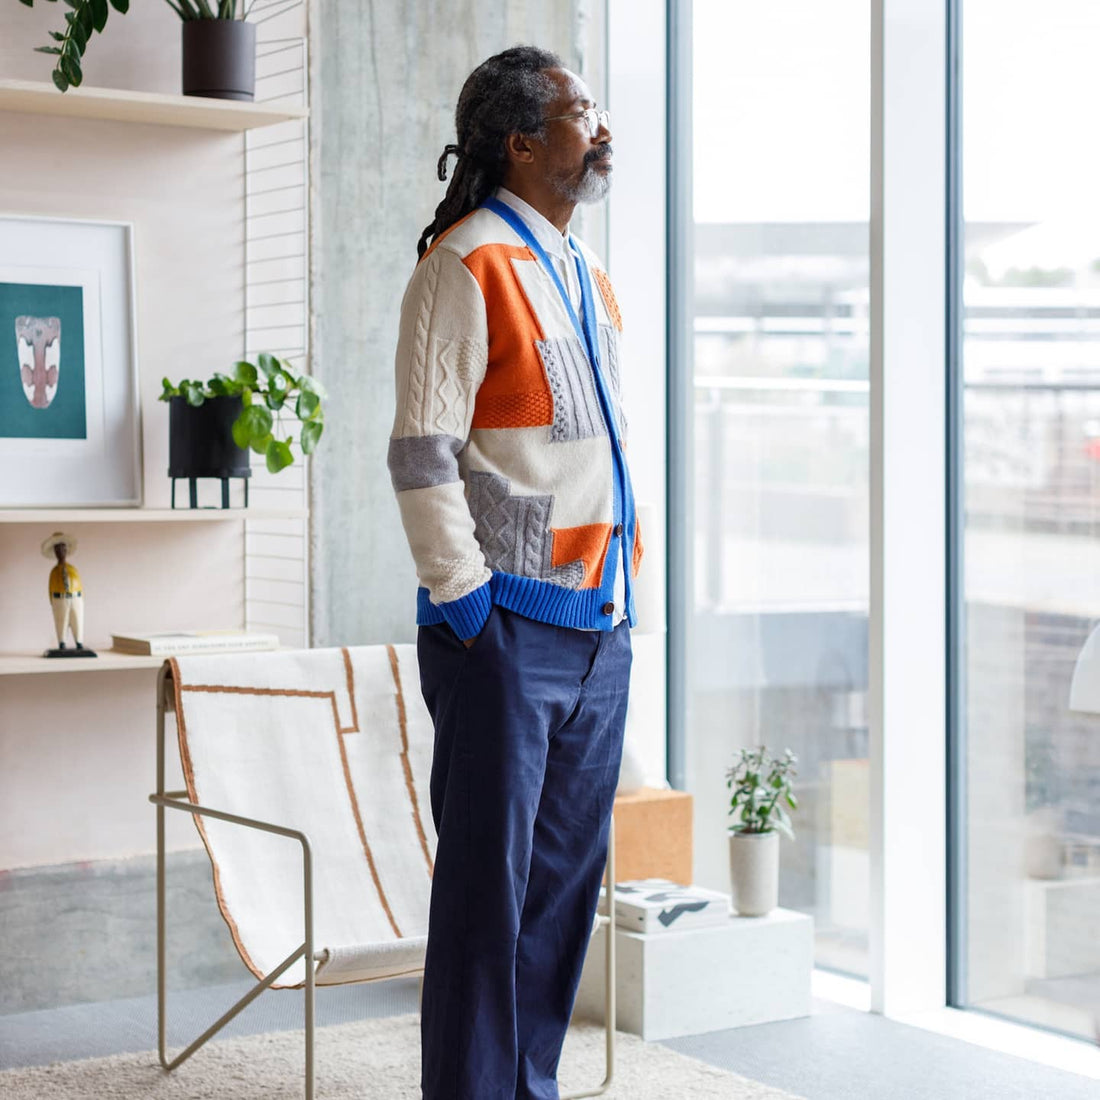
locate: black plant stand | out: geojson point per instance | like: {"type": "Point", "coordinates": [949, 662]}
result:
{"type": "Point", "coordinates": [193, 490]}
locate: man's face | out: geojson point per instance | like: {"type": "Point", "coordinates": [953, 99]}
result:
{"type": "Point", "coordinates": [577, 165]}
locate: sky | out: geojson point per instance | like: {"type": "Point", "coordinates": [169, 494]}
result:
{"type": "Point", "coordinates": [781, 122]}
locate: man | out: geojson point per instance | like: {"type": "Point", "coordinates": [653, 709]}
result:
{"type": "Point", "coordinates": [507, 460]}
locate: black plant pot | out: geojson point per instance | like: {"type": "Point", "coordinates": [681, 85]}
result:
{"type": "Point", "coordinates": [200, 439]}
{"type": "Point", "coordinates": [219, 58]}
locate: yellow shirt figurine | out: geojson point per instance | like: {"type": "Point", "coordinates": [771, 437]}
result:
{"type": "Point", "coordinates": [66, 596]}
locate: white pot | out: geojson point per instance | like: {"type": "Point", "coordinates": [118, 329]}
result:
{"type": "Point", "coordinates": [754, 872]}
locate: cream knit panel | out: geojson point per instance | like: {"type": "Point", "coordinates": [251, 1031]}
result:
{"type": "Point", "coordinates": [442, 349]}
{"type": "Point", "coordinates": [440, 530]}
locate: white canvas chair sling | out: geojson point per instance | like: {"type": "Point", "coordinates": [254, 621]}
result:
{"type": "Point", "coordinates": [329, 749]}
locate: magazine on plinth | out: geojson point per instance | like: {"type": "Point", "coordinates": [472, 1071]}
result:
{"type": "Point", "coordinates": [658, 905]}
{"type": "Point", "coordinates": [170, 643]}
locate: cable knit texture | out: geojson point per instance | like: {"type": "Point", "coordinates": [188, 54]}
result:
{"type": "Point", "coordinates": [510, 486]}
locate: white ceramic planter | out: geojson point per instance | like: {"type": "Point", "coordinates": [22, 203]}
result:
{"type": "Point", "coordinates": [754, 872]}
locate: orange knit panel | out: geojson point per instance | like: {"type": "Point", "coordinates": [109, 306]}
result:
{"type": "Point", "coordinates": [515, 392]}
{"type": "Point", "coordinates": [639, 548]}
{"type": "Point", "coordinates": [604, 283]}
{"type": "Point", "coordinates": [587, 543]}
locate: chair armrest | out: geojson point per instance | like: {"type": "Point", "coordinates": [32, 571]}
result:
{"type": "Point", "coordinates": [175, 801]}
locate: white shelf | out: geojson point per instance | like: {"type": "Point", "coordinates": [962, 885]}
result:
{"type": "Point", "coordinates": [31, 663]}
{"type": "Point", "coordinates": [196, 112]}
{"type": "Point", "coordinates": [146, 515]}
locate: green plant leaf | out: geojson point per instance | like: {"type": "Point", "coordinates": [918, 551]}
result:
{"type": "Point", "coordinates": [76, 28]}
{"type": "Point", "coordinates": [308, 384]}
{"type": "Point", "coordinates": [99, 14]}
{"type": "Point", "coordinates": [47, 49]}
{"type": "Point", "coordinates": [792, 801]}
{"type": "Point", "coordinates": [274, 401]}
{"type": "Point", "coordinates": [217, 386]}
{"type": "Point", "coordinates": [268, 364]}
{"type": "Point", "coordinates": [245, 373]}
{"type": "Point", "coordinates": [71, 68]}
{"type": "Point", "coordinates": [307, 405]}
{"type": "Point", "coordinates": [311, 436]}
{"type": "Point", "coordinates": [60, 80]}
{"type": "Point", "coordinates": [256, 421]}
{"type": "Point", "coordinates": [168, 392]}
{"type": "Point", "coordinates": [27, 3]}
{"type": "Point", "coordinates": [260, 445]}
{"type": "Point", "coordinates": [193, 392]}
{"type": "Point", "coordinates": [278, 456]}
{"type": "Point", "coordinates": [122, 6]}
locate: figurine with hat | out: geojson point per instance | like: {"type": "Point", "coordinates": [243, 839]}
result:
{"type": "Point", "coordinates": [66, 596]}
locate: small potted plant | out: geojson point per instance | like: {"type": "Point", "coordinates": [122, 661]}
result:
{"type": "Point", "coordinates": [219, 47]}
{"type": "Point", "coordinates": [760, 799]}
{"type": "Point", "coordinates": [213, 425]}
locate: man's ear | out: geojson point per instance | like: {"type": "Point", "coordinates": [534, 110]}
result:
{"type": "Point", "coordinates": [519, 149]}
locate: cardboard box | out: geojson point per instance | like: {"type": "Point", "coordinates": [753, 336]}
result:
{"type": "Point", "coordinates": [653, 836]}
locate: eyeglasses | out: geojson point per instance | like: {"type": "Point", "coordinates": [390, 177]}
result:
{"type": "Point", "coordinates": [595, 119]}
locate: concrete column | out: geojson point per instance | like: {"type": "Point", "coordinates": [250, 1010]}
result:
{"type": "Point", "coordinates": [385, 81]}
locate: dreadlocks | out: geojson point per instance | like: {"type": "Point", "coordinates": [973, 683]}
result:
{"type": "Point", "coordinates": [507, 94]}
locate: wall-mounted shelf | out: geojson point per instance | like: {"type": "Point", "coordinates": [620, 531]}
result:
{"type": "Point", "coordinates": [146, 515]}
{"type": "Point", "coordinates": [196, 112]}
{"type": "Point", "coordinates": [30, 663]}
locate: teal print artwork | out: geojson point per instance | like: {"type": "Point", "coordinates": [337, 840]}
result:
{"type": "Point", "coordinates": [42, 377]}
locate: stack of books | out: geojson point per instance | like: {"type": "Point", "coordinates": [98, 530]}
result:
{"type": "Point", "coordinates": [193, 641]}
{"type": "Point", "coordinates": [657, 905]}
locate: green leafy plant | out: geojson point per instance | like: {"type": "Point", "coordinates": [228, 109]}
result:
{"type": "Point", "coordinates": [269, 389]}
{"type": "Point", "coordinates": [90, 16]}
{"type": "Point", "coordinates": [761, 791]}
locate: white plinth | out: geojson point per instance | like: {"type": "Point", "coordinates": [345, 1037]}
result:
{"type": "Point", "coordinates": [750, 970]}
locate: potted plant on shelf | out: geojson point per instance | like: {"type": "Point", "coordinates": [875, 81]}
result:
{"type": "Point", "coordinates": [212, 426]}
{"type": "Point", "coordinates": [219, 47]}
{"type": "Point", "coordinates": [760, 800]}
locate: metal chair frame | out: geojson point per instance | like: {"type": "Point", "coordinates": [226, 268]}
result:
{"type": "Point", "coordinates": [178, 800]}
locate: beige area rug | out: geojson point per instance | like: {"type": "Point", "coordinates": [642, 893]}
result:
{"type": "Point", "coordinates": [374, 1059]}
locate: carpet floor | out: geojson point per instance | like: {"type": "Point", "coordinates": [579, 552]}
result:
{"type": "Point", "coordinates": [374, 1059]}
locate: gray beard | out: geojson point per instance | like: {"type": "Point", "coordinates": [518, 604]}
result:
{"type": "Point", "coordinates": [591, 187]}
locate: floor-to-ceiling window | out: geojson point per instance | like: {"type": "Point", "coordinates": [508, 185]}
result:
{"type": "Point", "coordinates": [1030, 490]}
{"type": "Point", "coordinates": [777, 626]}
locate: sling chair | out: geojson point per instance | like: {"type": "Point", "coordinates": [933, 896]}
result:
{"type": "Point", "coordinates": [329, 749]}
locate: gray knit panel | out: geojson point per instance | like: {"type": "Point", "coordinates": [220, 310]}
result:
{"type": "Point", "coordinates": [419, 461]}
{"type": "Point", "coordinates": [514, 531]}
{"type": "Point", "coordinates": [576, 405]}
{"type": "Point", "coordinates": [609, 361]}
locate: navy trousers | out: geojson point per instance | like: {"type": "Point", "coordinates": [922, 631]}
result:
{"type": "Point", "coordinates": [528, 742]}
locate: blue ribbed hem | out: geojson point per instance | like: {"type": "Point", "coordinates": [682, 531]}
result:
{"type": "Point", "coordinates": [540, 600]}
{"type": "Point", "coordinates": [465, 616]}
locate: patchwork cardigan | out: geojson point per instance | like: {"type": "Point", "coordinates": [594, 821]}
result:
{"type": "Point", "coordinates": [507, 448]}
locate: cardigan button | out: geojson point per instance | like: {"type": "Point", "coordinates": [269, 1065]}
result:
{"type": "Point", "coordinates": [608, 607]}
{"type": "Point", "coordinates": [618, 532]}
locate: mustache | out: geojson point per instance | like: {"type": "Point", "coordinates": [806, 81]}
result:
{"type": "Point", "coordinates": [593, 156]}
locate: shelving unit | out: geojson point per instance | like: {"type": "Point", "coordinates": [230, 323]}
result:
{"type": "Point", "coordinates": [111, 104]}
{"type": "Point", "coordinates": [274, 134]}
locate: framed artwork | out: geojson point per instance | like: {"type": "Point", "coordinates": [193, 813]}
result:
{"type": "Point", "coordinates": [69, 400]}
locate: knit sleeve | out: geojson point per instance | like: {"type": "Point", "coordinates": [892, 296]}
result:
{"type": "Point", "coordinates": [442, 352]}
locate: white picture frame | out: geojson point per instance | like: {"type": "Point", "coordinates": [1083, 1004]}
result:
{"type": "Point", "coordinates": [67, 313]}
